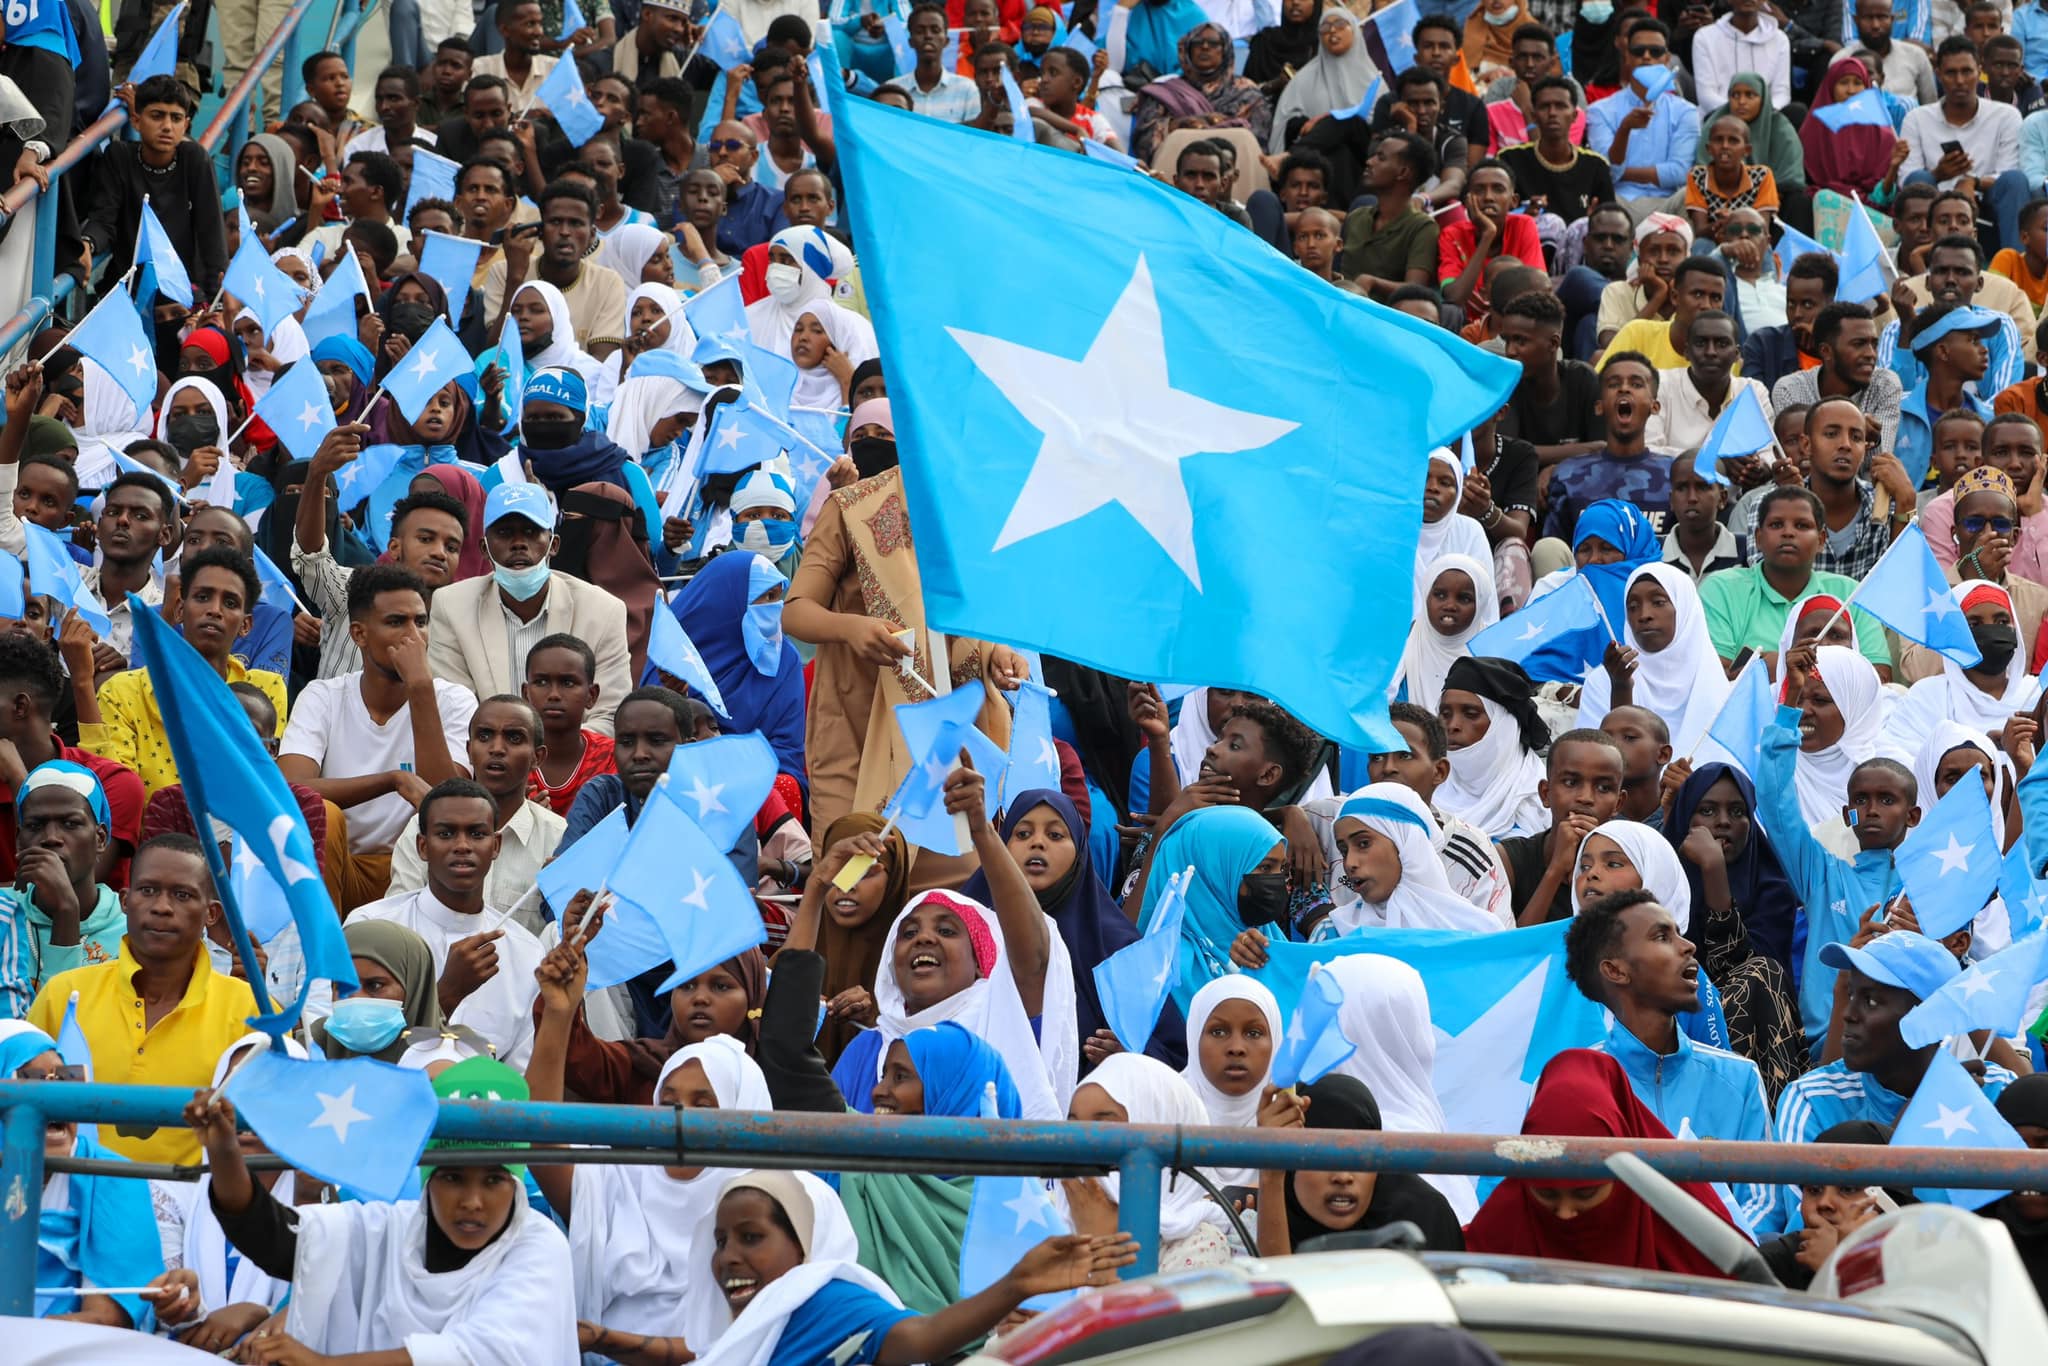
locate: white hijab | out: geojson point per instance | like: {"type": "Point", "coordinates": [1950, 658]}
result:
{"type": "Point", "coordinates": [1423, 899]}
{"type": "Point", "coordinates": [288, 344]}
{"type": "Point", "coordinates": [206, 1245]}
{"type": "Point", "coordinates": [111, 424]}
{"type": "Point", "coordinates": [1153, 1093]}
{"type": "Point", "coordinates": [1948, 736]}
{"type": "Point", "coordinates": [1952, 696]}
{"type": "Point", "coordinates": [1235, 1112]}
{"type": "Point", "coordinates": [561, 348]}
{"type": "Point", "coordinates": [1386, 1016]}
{"type": "Point", "coordinates": [681, 339]}
{"type": "Point", "coordinates": [1430, 654]}
{"type": "Point", "coordinates": [830, 1248]}
{"type": "Point", "coordinates": [1325, 84]}
{"type": "Point", "coordinates": [642, 400]}
{"type": "Point", "coordinates": [1656, 863]}
{"type": "Point", "coordinates": [773, 321]}
{"type": "Point", "coordinates": [361, 1284]}
{"type": "Point", "coordinates": [1683, 683]}
{"type": "Point", "coordinates": [1456, 534]}
{"type": "Point", "coordinates": [214, 400]}
{"type": "Point", "coordinates": [1493, 783]}
{"type": "Point", "coordinates": [1823, 775]}
{"type": "Point", "coordinates": [631, 1227]}
{"type": "Point", "coordinates": [627, 249]}
{"type": "Point", "coordinates": [1043, 1066]}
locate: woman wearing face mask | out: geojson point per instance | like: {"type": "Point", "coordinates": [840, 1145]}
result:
{"type": "Point", "coordinates": [407, 310]}
{"type": "Point", "coordinates": [395, 992]}
{"type": "Point", "coordinates": [1982, 696]}
{"type": "Point", "coordinates": [764, 520]}
{"type": "Point", "coordinates": [798, 277]}
{"type": "Point", "coordinates": [1489, 38]}
{"type": "Point", "coordinates": [1596, 61]}
{"type": "Point", "coordinates": [1240, 883]}
{"type": "Point", "coordinates": [1497, 740]}
{"type": "Point", "coordinates": [731, 610]}
{"type": "Point", "coordinates": [194, 419]}
{"type": "Point", "coordinates": [547, 336]}
{"type": "Point", "coordinates": [553, 439]}
{"type": "Point", "coordinates": [653, 412]}
{"type": "Point", "coordinates": [267, 359]}
{"type": "Point", "coordinates": [603, 542]}
{"type": "Point", "coordinates": [207, 353]}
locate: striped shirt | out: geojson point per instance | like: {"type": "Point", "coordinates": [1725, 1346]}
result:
{"type": "Point", "coordinates": [326, 582]}
{"type": "Point", "coordinates": [18, 977]}
{"type": "Point", "coordinates": [1831, 1094]}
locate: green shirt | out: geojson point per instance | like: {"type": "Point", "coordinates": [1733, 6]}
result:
{"type": "Point", "coordinates": [1742, 609]}
{"type": "Point", "coordinates": [1389, 253]}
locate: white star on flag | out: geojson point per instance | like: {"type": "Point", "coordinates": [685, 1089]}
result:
{"type": "Point", "coordinates": [938, 768]}
{"type": "Point", "coordinates": [294, 871]}
{"type": "Point", "coordinates": [695, 896]}
{"type": "Point", "coordinates": [1031, 1208]}
{"type": "Point", "coordinates": [729, 436]}
{"type": "Point", "coordinates": [849, 1349]}
{"type": "Point", "coordinates": [338, 1113]}
{"type": "Point", "coordinates": [246, 860]}
{"type": "Point", "coordinates": [1977, 983]}
{"type": "Point", "coordinates": [1531, 631]}
{"type": "Point", "coordinates": [1955, 858]}
{"type": "Point", "coordinates": [706, 796]}
{"type": "Point", "coordinates": [1048, 757]}
{"type": "Point", "coordinates": [429, 364]}
{"type": "Point", "coordinates": [309, 417]}
{"type": "Point", "coordinates": [1940, 606]}
{"type": "Point", "coordinates": [1115, 429]}
{"type": "Point", "coordinates": [138, 360]}
{"type": "Point", "coordinates": [1951, 1122]}
{"type": "Point", "coordinates": [259, 289]}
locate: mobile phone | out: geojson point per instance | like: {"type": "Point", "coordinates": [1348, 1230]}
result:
{"type": "Point", "coordinates": [1741, 660]}
{"type": "Point", "coordinates": [1951, 147]}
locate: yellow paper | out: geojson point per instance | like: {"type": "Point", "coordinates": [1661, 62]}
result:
{"type": "Point", "coordinates": [856, 868]}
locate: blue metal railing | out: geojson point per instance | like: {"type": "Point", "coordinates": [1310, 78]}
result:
{"type": "Point", "coordinates": [865, 1142]}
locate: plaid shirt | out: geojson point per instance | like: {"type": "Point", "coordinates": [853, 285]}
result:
{"type": "Point", "coordinates": [1854, 550]}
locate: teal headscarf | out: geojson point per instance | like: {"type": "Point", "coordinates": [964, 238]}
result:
{"type": "Point", "coordinates": [1222, 844]}
{"type": "Point", "coordinates": [20, 1044]}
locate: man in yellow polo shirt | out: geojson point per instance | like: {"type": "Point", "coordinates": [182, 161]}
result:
{"type": "Point", "coordinates": [220, 588]}
{"type": "Point", "coordinates": [158, 1015]}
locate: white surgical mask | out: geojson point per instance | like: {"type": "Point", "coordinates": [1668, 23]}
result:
{"type": "Point", "coordinates": [784, 281]}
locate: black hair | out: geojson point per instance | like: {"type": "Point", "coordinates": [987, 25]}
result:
{"type": "Point", "coordinates": [699, 713]}
{"type": "Point", "coordinates": [1816, 265]}
{"type": "Point", "coordinates": [1893, 767]}
{"type": "Point", "coordinates": [1708, 315]}
{"type": "Point", "coordinates": [1199, 147]}
{"type": "Point", "coordinates": [1797, 493]}
{"type": "Point", "coordinates": [31, 666]}
{"type": "Point", "coordinates": [378, 237]}
{"type": "Point", "coordinates": [1656, 26]}
{"type": "Point", "coordinates": [455, 789]}
{"type": "Point", "coordinates": [674, 92]}
{"type": "Point", "coordinates": [420, 206]}
{"type": "Point", "coordinates": [175, 842]}
{"type": "Point", "coordinates": [1593, 936]}
{"type": "Point", "coordinates": [1491, 164]}
{"type": "Point", "coordinates": [167, 507]}
{"type": "Point", "coordinates": [2013, 420]}
{"type": "Point", "coordinates": [432, 500]}
{"type": "Point", "coordinates": [1954, 45]}
{"type": "Point", "coordinates": [486, 81]}
{"type": "Point", "coordinates": [234, 561]}
{"type": "Point", "coordinates": [367, 583]}
{"type": "Point", "coordinates": [1634, 358]}
{"type": "Point", "coordinates": [1435, 740]}
{"type": "Point", "coordinates": [2000, 41]}
{"type": "Point", "coordinates": [1416, 151]}
{"type": "Point", "coordinates": [61, 465]}
{"type": "Point", "coordinates": [1419, 75]}
{"type": "Point", "coordinates": [1827, 323]}
{"type": "Point", "coordinates": [245, 538]}
{"type": "Point", "coordinates": [1301, 159]}
{"type": "Point", "coordinates": [380, 172]}
{"type": "Point", "coordinates": [1957, 241]}
{"type": "Point", "coordinates": [404, 75]}
{"type": "Point", "coordinates": [458, 42]}
{"type": "Point", "coordinates": [1288, 742]}
{"type": "Point", "coordinates": [1537, 305]}
{"type": "Point", "coordinates": [163, 90]}
{"type": "Point", "coordinates": [1583, 735]}
{"type": "Point", "coordinates": [513, 699]}
{"type": "Point", "coordinates": [678, 705]}
{"type": "Point", "coordinates": [1658, 727]}
{"type": "Point", "coordinates": [562, 640]}
{"type": "Point", "coordinates": [1563, 83]}
{"type": "Point", "coordinates": [311, 66]}
{"type": "Point", "coordinates": [1533, 32]}
{"type": "Point", "coordinates": [476, 163]}
{"type": "Point", "coordinates": [559, 188]}
{"type": "Point", "coordinates": [790, 30]}
{"type": "Point", "coordinates": [1066, 56]}
{"type": "Point", "coordinates": [249, 692]}
{"type": "Point", "coordinates": [1430, 21]}
{"type": "Point", "coordinates": [1698, 265]}
{"type": "Point", "coordinates": [2031, 210]}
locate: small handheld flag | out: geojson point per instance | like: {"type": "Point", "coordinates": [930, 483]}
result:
{"type": "Point", "coordinates": [1315, 1042]}
{"type": "Point", "coordinates": [1907, 591]}
{"type": "Point", "coordinates": [1949, 1110]}
{"type": "Point", "coordinates": [1950, 862]}
{"type": "Point", "coordinates": [1135, 981]}
{"type": "Point", "coordinates": [356, 1122]}
{"type": "Point", "coordinates": [670, 650]}
{"type": "Point", "coordinates": [436, 360]}
{"type": "Point", "coordinates": [297, 408]}
{"type": "Point", "coordinates": [563, 95]}
{"type": "Point", "coordinates": [1740, 430]}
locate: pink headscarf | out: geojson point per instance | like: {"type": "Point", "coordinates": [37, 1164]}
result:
{"type": "Point", "coordinates": [875, 412]}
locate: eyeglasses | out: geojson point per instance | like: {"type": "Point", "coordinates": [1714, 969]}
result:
{"type": "Point", "coordinates": [63, 1072]}
{"type": "Point", "coordinates": [725, 145]}
{"type": "Point", "coordinates": [1204, 42]}
{"type": "Point", "coordinates": [1746, 230]}
{"type": "Point", "coordinates": [1976, 526]}
{"type": "Point", "coordinates": [1657, 53]}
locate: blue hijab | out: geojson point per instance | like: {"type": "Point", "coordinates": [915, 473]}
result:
{"type": "Point", "coordinates": [1154, 33]}
{"type": "Point", "coordinates": [711, 609]}
{"type": "Point", "coordinates": [956, 1067]}
{"type": "Point", "coordinates": [1222, 844]}
{"type": "Point", "coordinates": [1623, 526]}
{"type": "Point", "coordinates": [1089, 921]}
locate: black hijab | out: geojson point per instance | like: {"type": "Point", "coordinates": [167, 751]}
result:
{"type": "Point", "coordinates": [1338, 1101]}
{"type": "Point", "coordinates": [1278, 52]}
{"type": "Point", "coordinates": [1763, 894]}
{"type": "Point", "coordinates": [1104, 735]}
{"type": "Point", "coordinates": [1503, 683]}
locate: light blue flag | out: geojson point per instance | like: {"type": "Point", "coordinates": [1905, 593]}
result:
{"type": "Point", "coordinates": [128, 464]}
{"type": "Point", "coordinates": [720, 784]}
{"type": "Point", "coordinates": [670, 649]}
{"type": "Point", "coordinates": [1010, 1215]}
{"type": "Point", "coordinates": [922, 722]}
{"type": "Point", "coordinates": [433, 177]}
{"type": "Point", "coordinates": [52, 573]}
{"type": "Point", "coordinates": [512, 355]}
{"type": "Point", "coordinates": [1468, 459]}
{"type": "Point", "coordinates": [1866, 270]}
{"type": "Point", "coordinates": [262, 902]}
{"type": "Point", "coordinates": [13, 588]}
{"type": "Point", "coordinates": [572, 22]}
{"type": "Point", "coordinates": [1950, 1110]}
{"type": "Point", "coordinates": [1989, 994]}
{"type": "Point", "coordinates": [1119, 432]}
{"type": "Point", "coordinates": [724, 42]}
{"type": "Point", "coordinates": [1793, 244]}
{"type": "Point", "coordinates": [740, 436]}
{"type": "Point", "coordinates": [452, 261]}
{"type": "Point", "coordinates": [159, 55]}
{"type": "Point", "coordinates": [671, 869]}
{"type": "Point", "coordinates": [821, 433]}
{"type": "Point", "coordinates": [1741, 429]}
{"type": "Point", "coordinates": [264, 290]}
{"type": "Point", "coordinates": [900, 51]}
{"type": "Point", "coordinates": [2025, 896]}
{"type": "Point", "coordinates": [360, 477]}
{"type": "Point", "coordinates": [1907, 591]}
{"type": "Point", "coordinates": [563, 95]}
{"type": "Point", "coordinates": [1500, 1003]}
{"type": "Point", "coordinates": [1020, 112]}
{"type": "Point", "coordinates": [1103, 152]}
{"type": "Point", "coordinates": [434, 361]}
{"type": "Point", "coordinates": [229, 776]}
{"type": "Point", "coordinates": [918, 808]}
{"type": "Point", "coordinates": [112, 335]}
{"type": "Point", "coordinates": [949, 55]}
{"type": "Point", "coordinates": [1656, 82]}
{"type": "Point", "coordinates": [1135, 981]}
{"type": "Point", "coordinates": [1864, 108]}
{"type": "Point", "coordinates": [1034, 762]}
{"type": "Point", "coordinates": [629, 942]}
{"type": "Point", "coordinates": [72, 1045]}
{"type": "Point", "coordinates": [719, 313]}
{"type": "Point", "coordinates": [297, 408]}
{"type": "Point", "coordinates": [1950, 862]}
{"type": "Point", "coordinates": [1389, 36]}
{"type": "Point", "coordinates": [356, 1122]}
{"type": "Point", "coordinates": [1314, 1042]}
{"type": "Point", "coordinates": [1363, 109]}
{"type": "Point", "coordinates": [1552, 636]}
{"type": "Point", "coordinates": [333, 310]}
{"type": "Point", "coordinates": [767, 379]}
{"type": "Point", "coordinates": [277, 585]}
{"type": "Point", "coordinates": [826, 73]}
{"type": "Point", "coordinates": [153, 247]}
{"type": "Point", "coordinates": [1739, 726]}
{"type": "Point", "coordinates": [1081, 43]}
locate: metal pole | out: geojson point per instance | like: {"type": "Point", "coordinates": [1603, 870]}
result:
{"type": "Point", "coordinates": [1137, 1211]}
{"type": "Point", "coordinates": [21, 1207]}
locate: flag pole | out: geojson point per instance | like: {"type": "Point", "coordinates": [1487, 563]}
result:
{"type": "Point", "coordinates": [1848, 601]}
{"type": "Point", "coordinates": [1755, 661]}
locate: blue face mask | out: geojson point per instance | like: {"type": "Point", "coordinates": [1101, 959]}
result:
{"type": "Point", "coordinates": [761, 629]}
{"type": "Point", "coordinates": [522, 584]}
{"type": "Point", "coordinates": [765, 536]}
{"type": "Point", "coordinates": [366, 1024]}
{"type": "Point", "coordinates": [1599, 12]}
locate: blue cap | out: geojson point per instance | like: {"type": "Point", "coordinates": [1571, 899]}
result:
{"type": "Point", "coordinates": [72, 777]}
{"type": "Point", "coordinates": [1899, 958]}
{"type": "Point", "coordinates": [530, 501]}
{"type": "Point", "coordinates": [556, 385]}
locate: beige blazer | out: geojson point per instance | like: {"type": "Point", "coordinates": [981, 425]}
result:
{"type": "Point", "coordinates": [467, 641]}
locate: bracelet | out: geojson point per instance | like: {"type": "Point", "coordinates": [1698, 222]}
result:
{"type": "Point", "coordinates": [1492, 517]}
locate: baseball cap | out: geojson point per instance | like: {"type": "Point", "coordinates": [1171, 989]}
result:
{"type": "Point", "coordinates": [530, 501]}
{"type": "Point", "coordinates": [1898, 959]}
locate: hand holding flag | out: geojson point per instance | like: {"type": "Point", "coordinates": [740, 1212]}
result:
{"type": "Point", "coordinates": [1315, 1042]}
{"type": "Point", "coordinates": [433, 362]}
{"type": "Point", "coordinates": [357, 1122]}
{"type": "Point", "coordinates": [297, 408]}
{"type": "Point", "coordinates": [1740, 430]}
{"type": "Point", "coordinates": [1950, 862]}
{"type": "Point", "coordinates": [1991, 994]}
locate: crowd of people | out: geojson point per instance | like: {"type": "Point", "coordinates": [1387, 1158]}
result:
{"type": "Point", "coordinates": [452, 631]}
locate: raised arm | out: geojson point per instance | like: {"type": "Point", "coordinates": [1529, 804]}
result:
{"type": "Point", "coordinates": [1015, 904]}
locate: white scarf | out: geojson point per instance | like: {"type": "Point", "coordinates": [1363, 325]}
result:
{"type": "Point", "coordinates": [1655, 862]}
{"type": "Point", "coordinates": [1455, 534]}
{"type": "Point", "coordinates": [642, 400]}
{"type": "Point", "coordinates": [626, 250]}
{"type": "Point", "coordinates": [1044, 1065]}
{"type": "Point", "coordinates": [111, 424]}
{"type": "Point", "coordinates": [561, 349]}
{"type": "Point", "coordinates": [681, 339]}
{"type": "Point", "coordinates": [1235, 1112]}
{"type": "Point", "coordinates": [361, 1284]}
{"type": "Point", "coordinates": [773, 321]}
{"type": "Point", "coordinates": [1423, 899]}
{"type": "Point", "coordinates": [1822, 775]}
{"type": "Point", "coordinates": [830, 1248]}
{"type": "Point", "coordinates": [1683, 683]}
{"type": "Point", "coordinates": [1386, 1015]}
{"type": "Point", "coordinates": [1429, 653]}
{"type": "Point", "coordinates": [209, 391]}
{"type": "Point", "coordinates": [1948, 736]}
{"type": "Point", "coordinates": [1153, 1093]}
{"type": "Point", "coordinates": [1493, 783]}
{"type": "Point", "coordinates": [630, 1226]}
{"type": "Point", "coordinates": [1954, 697]}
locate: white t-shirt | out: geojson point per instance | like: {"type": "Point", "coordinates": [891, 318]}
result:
{"type": "Point", "coordinates": [331, 726]}
{"type": "Point", "coordinates": [501, 1010]}
{"type": "Point", "coordinates": [373, 139]}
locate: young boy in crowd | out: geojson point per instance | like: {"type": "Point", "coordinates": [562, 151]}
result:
{"type": "Point", "coordinates": [561, 685]}
{"type": "Point", "coordinates": [1581, 788]}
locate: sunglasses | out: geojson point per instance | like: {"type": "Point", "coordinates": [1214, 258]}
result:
{"type": "Point", "coordinates": [726, 145]}
{"type": "Point", "coordinates": [65, 1072]}
{"type": "Point", "coordinates": [1204, 42]}
{"type": "Point", "coordinates": [1654, 52]}
{"type": "Point", "coordinates": [1746, 230]}
{"type": "Point", "coordinates": [2001, 526]}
